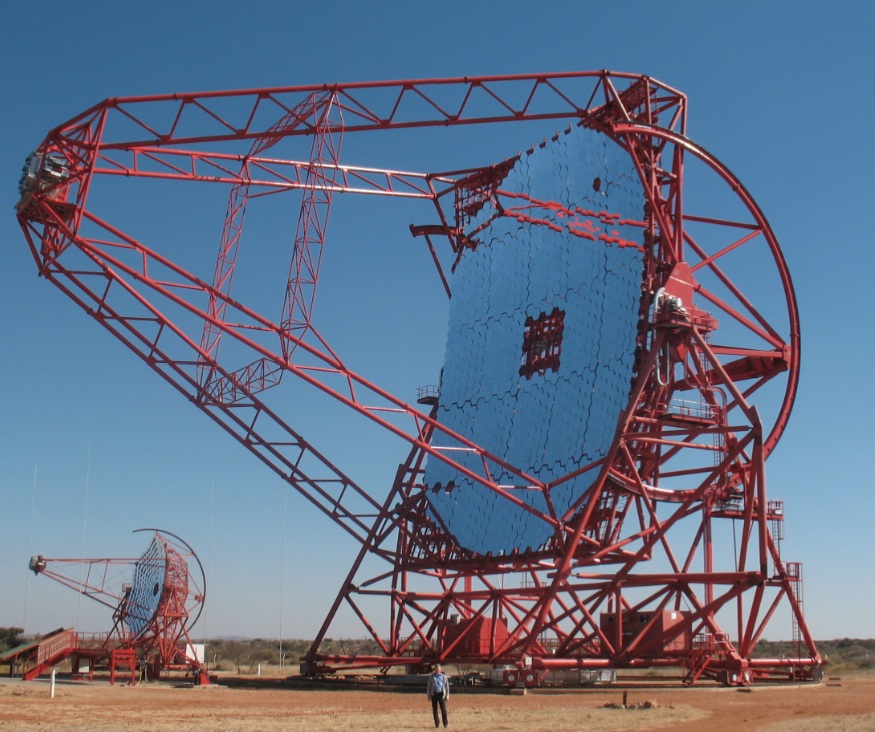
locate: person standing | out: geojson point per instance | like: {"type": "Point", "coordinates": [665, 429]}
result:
{"type": "Point", "coordinates": [438, 691]}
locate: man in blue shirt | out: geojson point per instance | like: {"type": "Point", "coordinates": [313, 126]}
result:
{"type": "Point", "coordinates": [438, 690]}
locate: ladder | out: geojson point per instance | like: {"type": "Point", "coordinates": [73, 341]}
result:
{"type": "Point", "coordinates": [794, 574]}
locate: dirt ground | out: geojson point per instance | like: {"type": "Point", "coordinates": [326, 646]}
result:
{"type": "Point", "coordinates": [846, 703]}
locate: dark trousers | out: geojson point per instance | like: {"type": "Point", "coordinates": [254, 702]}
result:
{"type": "Point", "coordinates": [438, 700]}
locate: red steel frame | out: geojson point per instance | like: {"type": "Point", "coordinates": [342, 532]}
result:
{"type": "Point", "coordinates": [570, 603]}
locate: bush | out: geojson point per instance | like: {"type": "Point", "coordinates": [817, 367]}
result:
{"type": "Point", "coordinates": [9, 638]}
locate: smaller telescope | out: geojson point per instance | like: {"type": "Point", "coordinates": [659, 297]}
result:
{"type": "Point", "coordinates": [153, 611]}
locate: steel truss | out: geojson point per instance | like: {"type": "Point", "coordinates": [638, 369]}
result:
{"type": "Point", "coordinates": [674, 476]}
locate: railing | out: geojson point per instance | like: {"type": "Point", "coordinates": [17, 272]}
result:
{"type": "Point", "coordinates": [47, 650]}
{"type": "Point", "coordinates": [428, 394]}
{"type": "Point", "coordinates": [91, 640]}
{"type": "Point", "coordinates": [55, 645]}
{"type": "Point", "coordinates": [705, 647]}
{"type": "Point", "coordinates": [685, 409]}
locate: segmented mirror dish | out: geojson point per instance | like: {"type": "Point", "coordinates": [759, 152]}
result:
{"type": "Point", "coordinates": [542, 334]}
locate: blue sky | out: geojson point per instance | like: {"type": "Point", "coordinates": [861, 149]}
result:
{"type": "Point", "coordinates": [94, 445]}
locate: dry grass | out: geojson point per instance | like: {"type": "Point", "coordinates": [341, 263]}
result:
{"type": "Point", "coordinates": [270, 706]}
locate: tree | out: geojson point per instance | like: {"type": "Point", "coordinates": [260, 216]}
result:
{"type": "Point", "coordinates": [238, 652]}
{"type": "Point", "coordinates": [9, 638]}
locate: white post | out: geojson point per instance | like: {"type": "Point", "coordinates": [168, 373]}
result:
{"type": "Point", "coordinates": [259, 669]}
{"type": "Point", "coordinates": [53, 684]}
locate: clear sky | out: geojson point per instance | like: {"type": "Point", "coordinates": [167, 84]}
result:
{"type": "Point", "coordinates": [95, 445]}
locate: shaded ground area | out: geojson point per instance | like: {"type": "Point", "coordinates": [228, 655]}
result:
{"type": "Point", "coordinates": [838, 704]}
